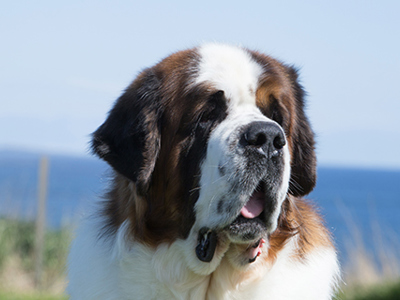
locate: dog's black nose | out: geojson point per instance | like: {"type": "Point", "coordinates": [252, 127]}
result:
{"type": "Point", "coordinates": [267, 136]}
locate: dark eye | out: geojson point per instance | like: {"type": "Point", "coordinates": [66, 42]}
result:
{"type": "Point", "coordinates": [274, 111]}
{"type": "Point", "coordinates": [277, 116]}
{"type": "Point", "coordinates": [215, 109]}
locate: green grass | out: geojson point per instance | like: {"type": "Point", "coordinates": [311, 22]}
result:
{"type": "Point", "coordinates": [33, 296]}
{"type": "Point", "coordinates": [18, 238]}
{"type": "Point", "coordinates": [17, 243]}
{"type": "Point", "coordinates": [390, 291]}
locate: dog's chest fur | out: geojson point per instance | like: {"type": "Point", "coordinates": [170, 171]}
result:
{"type": "Point", "coordinates": [119, 271]}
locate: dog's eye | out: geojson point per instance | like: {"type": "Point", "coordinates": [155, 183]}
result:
{"type": "Point", "coordinates": [274, 111]}
{"type": "Point", "coordinates": [209, 115]}
{"type": "Point", "coordinates": [277, 117]}
{"type": "Point", "coordinates": [215, 108]}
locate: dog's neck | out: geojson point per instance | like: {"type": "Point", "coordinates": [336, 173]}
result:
{"type": "Point", "coordinates": [176, 267]}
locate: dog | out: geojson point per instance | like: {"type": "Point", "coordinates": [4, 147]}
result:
{"type": "Point", "coordinates": [211, 154]}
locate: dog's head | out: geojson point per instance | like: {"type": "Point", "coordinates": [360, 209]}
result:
{"type": "Point", "coordinates": [213, 138]}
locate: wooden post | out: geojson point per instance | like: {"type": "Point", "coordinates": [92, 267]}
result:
{"type": "Point", "coordinates": [41, 220]}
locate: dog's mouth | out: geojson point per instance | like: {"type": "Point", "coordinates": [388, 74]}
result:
{"type": "Point", "coordinates": [253, 221]}
{"type": "Point", "coordinates": [255, 206]}
{"type": "Point", "coordinates": [252, 226]}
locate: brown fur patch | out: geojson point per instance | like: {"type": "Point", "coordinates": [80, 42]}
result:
{"type": "Point", "coordinates": [162, 209]}
{"type": "Point", "coordinates": [301, 219]}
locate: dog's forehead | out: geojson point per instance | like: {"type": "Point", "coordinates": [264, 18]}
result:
{"type": "Point", "coordinates": [230, 69]}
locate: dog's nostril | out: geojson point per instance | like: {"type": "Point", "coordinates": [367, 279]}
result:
{"type": "Point", "coordinates": [279, 142]}
{"type": "Point", "coordinates": [257, 140]}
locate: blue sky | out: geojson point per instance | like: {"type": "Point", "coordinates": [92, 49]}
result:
{"type": "Point", "coordinates": [63, 63]}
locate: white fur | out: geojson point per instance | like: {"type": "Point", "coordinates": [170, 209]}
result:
{"type": "Point", "coordinates": [118, 269]}
{"type": "Point", "coordinates": [231, 70]}
{"type": "Point", "coordinates": [315, 277]}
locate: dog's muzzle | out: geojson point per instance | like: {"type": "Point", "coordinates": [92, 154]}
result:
{"type": "Point", "coordinates": [256, 178]}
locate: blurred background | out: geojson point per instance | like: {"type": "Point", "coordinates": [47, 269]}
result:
{"type": "Point", "coordinates": [63, 64]}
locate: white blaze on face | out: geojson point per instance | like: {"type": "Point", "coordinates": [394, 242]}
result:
{"type": "Point", "coordinates": [231, 70]}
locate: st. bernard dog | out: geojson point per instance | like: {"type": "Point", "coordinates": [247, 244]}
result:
{"type": "Point", "coordinates": [211, 153]}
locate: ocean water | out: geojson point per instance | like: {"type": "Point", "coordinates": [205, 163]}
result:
{"type": "Point", "coordinates": [361, 208]}
{"type": "Point", "coordinates": [356, 204]}
{"type": "Point", "coordinates": [74, 183]}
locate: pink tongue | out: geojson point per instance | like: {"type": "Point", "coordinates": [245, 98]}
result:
{"type": "Point", "coordinates": [254, 206]}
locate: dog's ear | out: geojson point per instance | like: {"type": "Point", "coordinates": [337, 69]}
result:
{"type": "Point", "coordinates": [303, 164]}
{"type": "Point", "coordinates": [129, 140]}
